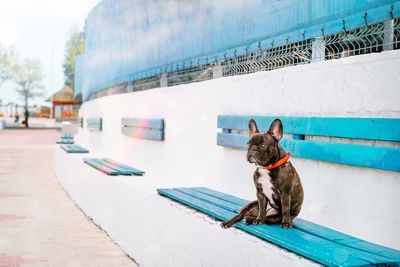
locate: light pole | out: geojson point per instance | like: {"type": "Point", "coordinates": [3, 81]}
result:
{"type": "Point", "coordinates": [52, 80]}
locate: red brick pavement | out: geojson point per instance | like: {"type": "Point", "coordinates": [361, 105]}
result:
{"type": "Point", "coordinates": [16, 261]}
{"type": "Point", "coordinates": [39, 224]}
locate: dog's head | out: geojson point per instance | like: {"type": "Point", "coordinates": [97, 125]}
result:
{"type": "Point", "coordinates": [263, 148]}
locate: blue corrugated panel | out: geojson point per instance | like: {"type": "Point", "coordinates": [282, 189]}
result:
{"type": "Point", "coordinates": [126, 37]}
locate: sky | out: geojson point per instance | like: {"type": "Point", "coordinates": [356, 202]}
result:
{"type": "Point", "coordinates": [39, 29]}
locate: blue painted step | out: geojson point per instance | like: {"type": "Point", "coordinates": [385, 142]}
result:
{"type": "Point", "coordinates": [310, 240]}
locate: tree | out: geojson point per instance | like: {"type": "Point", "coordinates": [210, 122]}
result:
{"type": "Point", "coordinates": [75, 46]}
{"type": "Point", "coordinates": [7, 57]}
{"type": "Point", "coordinates": [28, 78]}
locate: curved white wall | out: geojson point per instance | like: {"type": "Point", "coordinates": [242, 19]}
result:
{"type": "Point", "coordinates": [358, 201]}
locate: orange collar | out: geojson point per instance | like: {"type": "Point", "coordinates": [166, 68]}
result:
{"type": "Point", "coordinates": [278, 163]}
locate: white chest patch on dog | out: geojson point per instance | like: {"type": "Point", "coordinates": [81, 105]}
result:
{"type": "Point", "coordinates": [267, 187]}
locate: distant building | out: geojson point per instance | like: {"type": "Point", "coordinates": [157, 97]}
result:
{"type": "Point", "coordinates": [45, 112]}
{"type": "Point", "coordinates": [63, 104]}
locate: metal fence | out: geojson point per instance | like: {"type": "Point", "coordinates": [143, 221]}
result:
{"type": "Point", "coordinates": [368, 39]}
{"type": "Point", "coordinates": [365, 40]}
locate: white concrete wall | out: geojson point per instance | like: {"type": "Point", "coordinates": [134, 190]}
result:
{"type": "Point", "coordinates": [357, 201]}
{"type": "Point", "coordinates": [156, 231]}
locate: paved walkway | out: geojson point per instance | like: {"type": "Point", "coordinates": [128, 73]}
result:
{"type": "Point", "coordinates": [39, 224]}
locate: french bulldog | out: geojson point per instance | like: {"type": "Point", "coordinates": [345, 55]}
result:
{"type": "Point", "coordinates": [279, 190]}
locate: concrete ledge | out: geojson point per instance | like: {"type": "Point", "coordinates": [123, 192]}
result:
{"type": "Point", "coordinates": [156, 231]}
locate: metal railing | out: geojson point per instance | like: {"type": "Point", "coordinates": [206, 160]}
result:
{"type": "Point", "coordinates": [368, 39]}
{"type": "Point", "coordinates": [365, 40]}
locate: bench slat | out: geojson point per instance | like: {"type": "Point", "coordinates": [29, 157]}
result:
{"type": "Point", "coordinates": [74, 149]}
{"type": "Point", "coordinates": [93, 163]}
{"type": "Point", "coordinates": [143, 133]}
{"type": "Point", "coordinates": [67, 136]}
{"type": "Point", "coordinates": [67, 149]}
{"type": "Point", "coordinates": [65, 141]}
{"type": "Point", "coordinates": [143, 123]}
{"type": "Point", "coordinates": [119, 167]}
{"type": "Point", "coordinates": [235, 200]}
{"type": "Point", "coordinates": [303, 243]}
{"type": "Point", "coordinates": [112, 167]}
{"type": "Point", "coordinates": [211, 199]}
{"type": "Point", "coordinates": [346, 240]}
{"type": "Point", "coordinates": [125, 167]}
{"type": "Point", "coordinates": [81, 149]}
{"type": "Point", "coordinates": [100, 167]}
{"type": "Point", "coordinates": [384, 129]}
{"type": "Point", "coordinates": [383, 158]}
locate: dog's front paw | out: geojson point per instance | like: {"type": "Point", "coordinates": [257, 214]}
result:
{"type": "Point", "coordinates": [225, 225]}
{"type": "Point", "coordinates": [249, 220]}
{"type": "Point", "coordinates": [259, 221]}
{"type": "Point", "coordinates": [286, 225]}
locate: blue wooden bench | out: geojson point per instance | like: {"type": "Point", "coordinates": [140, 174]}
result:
{"type": "Point", "coordinates": [74, 149]}
{"type": "Point", "coordinates": [152, 129]}
{"type": "Point", "coordinates": [111, 167]}
{"type": "Point", "coordinates": [95, 124]}
{"type": "Point", "coordinates": [234, 135]}
{"type": "Point", "coordinates": [63, 141]}
{"type": "Point", "coordinates": [67, 136]}
{"type": "Point", "coordinates": [318, 243]}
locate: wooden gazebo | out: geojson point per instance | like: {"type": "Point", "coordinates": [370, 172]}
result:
{"type": "Point", "coordinates": [63, 104]}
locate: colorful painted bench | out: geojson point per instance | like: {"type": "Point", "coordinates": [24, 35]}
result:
{"type": "Point", "coordinates": [152, 129]}
{"type": "Point", "coordinates": [74, 149]}
{"type": "Point", "coordinates": [302, 129]}
{"type": "Point", "coordinates": [111, 167]}
{"type": "Point", "coordinates": [95, 124]}
{"type": "Point", "coordinates": [318, 243]}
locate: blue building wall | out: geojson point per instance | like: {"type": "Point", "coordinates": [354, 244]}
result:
{"type": "Point", "coordinates": [130, 39]}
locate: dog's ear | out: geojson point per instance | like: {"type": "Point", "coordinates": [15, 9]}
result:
{"type": "Point", "coordinates": [253, 128]}
{"type": "Point", "coordinates": [276, 129]}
